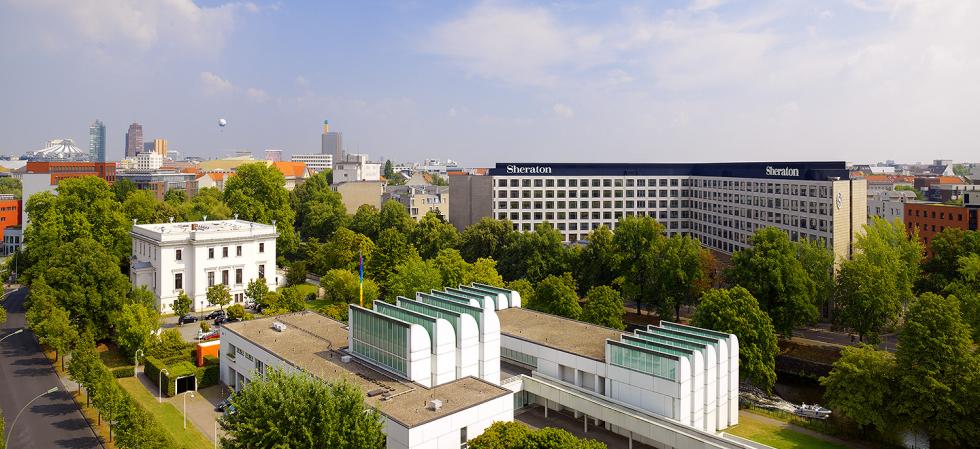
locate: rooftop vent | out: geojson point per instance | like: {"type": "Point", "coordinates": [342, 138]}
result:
{"type": "Point", "coordinates": [435, 404]}
{"type": "Point", "coordinates": [280, 327]}
{"type": "Point", "coordinates": [376, 392]}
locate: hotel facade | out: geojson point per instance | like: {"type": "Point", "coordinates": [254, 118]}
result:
{"type": "Point", "coordinates": [721, 204]}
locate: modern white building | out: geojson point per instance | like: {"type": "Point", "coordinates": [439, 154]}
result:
{"type": "Point", "coordinates": [315, 162]}
{"type": "Point", "coordinates": [149, 161]}
{"type": "Point", "coordinates": [445, 365]}
{"type": "Point", "coordinates": [888, 204]}
{"type": "Point", "coordinates": [355, 167]}
{"type": "Point", "coordinates": [192, 256]}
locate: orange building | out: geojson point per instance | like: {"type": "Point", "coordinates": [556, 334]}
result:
{"type": "Point", "coordinates": [62, 170]}
{"type": "Point", "coordinates": [9, 213]}
{"type": "Point", "coordinates": [930, 219]}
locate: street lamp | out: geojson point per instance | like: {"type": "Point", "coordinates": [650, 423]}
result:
{"type": "Point", "coordinates": [10, 431]}
{"type": "Point", "coordinates": [12, 333]}
{"type": "Point", "coordinates": [136, 361]}
{"type": "Point", "coordinates": [160, 384]}
{"type": "Point", "coordinates": [185, 407]}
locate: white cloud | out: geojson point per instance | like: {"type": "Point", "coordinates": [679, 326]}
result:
{"type": "Point", "coordinates": [563, 110]}
{"type": "Point", "coordinates": [214, 84]}
{"type": "Point", "coordinates": [705, 5]}
{"type": "Point", "coordinates": [302, 82]}
{"type": "Point", "coordinates": [257, 95]}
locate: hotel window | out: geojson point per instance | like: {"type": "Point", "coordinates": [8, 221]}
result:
{"type": "Point", "coordinates": [573, 183]}
{"type": "Point", "coordinates": [261, 271]}
{"type": "Point", "coordinates": [178, 254]}
{"type": "Point", "coordinates": [210, 278]}
{"type": "Point", "coordinates": [179, 281]}
{"type": "Point", "coordinates": [224, 251]}
{"type": "Point", "coordinates": [561, 183]}
{"type": "Point", "coordinates": [210, 253]}
{"type": "Point", "coordinates": [238, 250]}
{"type": "Point", "coordinates": [238, 276]}
{"type": "Point", "coordinates": [525, 183]}
{"type": "Point", "coordinates": [549, 183]}
{"type": "Point", "coordinates": [261, 247]}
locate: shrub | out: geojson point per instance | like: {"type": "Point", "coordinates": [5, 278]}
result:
{"type": "Point", "coordinates": [205, 326]}
{"type": "Point", "coordinates": [210, 360]}
{"type": "Point", "coordinates": [208, 374]}
{"type": "Point", "coordinates": [169, 344]}
{"type": "Point", "coordinates": [123, 371]}
{"type": "Point", "coordinates": [236, 311]}
{"type": "Point", "coordinates": [337, 311]}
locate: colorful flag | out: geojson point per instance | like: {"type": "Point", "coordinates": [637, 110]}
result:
{"type": "Point", "coordinates": [360, 256]}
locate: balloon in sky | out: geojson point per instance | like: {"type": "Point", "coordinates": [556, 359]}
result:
{"type": "Point", "coordinates": [222, 122]}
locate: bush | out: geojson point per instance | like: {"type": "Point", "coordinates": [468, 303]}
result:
{"type": "Point", "coordinates": [170, 344]}
{"type": "Point", "coordinates": [152, 368]}
{"type": "Point", "coordinates": [208, 374]}
{"type": "Point", "coordinates": [236, 311]}
{"type": "Point", "coordinates": [176, 370]}
{"type": "Point", "coordinates": [123, 371]}
{"type": "Point", "coordinates": [205, 326]}
{"type": "Point", "coordinates": [210, 360]}
{"type": "Point", "coordinates": [337, 311]}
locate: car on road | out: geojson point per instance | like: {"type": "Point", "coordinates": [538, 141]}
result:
{"type": "Point", "coordinates": [186, 319]}
{"type": "Point", "coordinates": [201, 335]}
{"type": "Point", "coordinates": [215, 314]}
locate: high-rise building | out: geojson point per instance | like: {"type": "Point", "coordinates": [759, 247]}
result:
{"type": "Point", "coordinates": [332, 142]}
{"type": "Point", "coordinates": [96, 141]}
{"type": "Point", "coordinates": [316, 162]}
{"type": "Point", "coordinates": [160, 147]}
{"type": "Point", "coordinates": [134, 140]}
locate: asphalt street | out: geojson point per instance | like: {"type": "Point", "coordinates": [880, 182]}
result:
{"type": "Point", "coordinates": [52, 421]}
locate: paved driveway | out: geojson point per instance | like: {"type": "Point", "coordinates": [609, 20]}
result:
{"type": "Point", "coordinates": [53, 421]}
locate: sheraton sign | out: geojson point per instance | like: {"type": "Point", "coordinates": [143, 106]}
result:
{"type": "Point", "coordinates": [785, 171]}
{"type": "Point", "coordinates": [529, 170]}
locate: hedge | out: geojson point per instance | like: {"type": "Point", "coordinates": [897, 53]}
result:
{"type": "Point", "coordinates": [208, 375]}
{"type": "Point", "coordinates": [177, 370]}
{"type": "Point", "coordinates": [123, 371]}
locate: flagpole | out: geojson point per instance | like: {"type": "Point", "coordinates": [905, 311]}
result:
{"type": "Point", "coordinates": [360, 256]}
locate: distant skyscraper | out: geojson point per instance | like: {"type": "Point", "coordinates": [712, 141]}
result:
{"type": "Point", "coordinates": [96, 141]}
{"type": "Point", "coordinates": [160, 147]}
{"type": "Point", "coordinates": [332, 142]}
{"type": "Point", "coordinates": [134, 140]}
{"type": "Point", "coordinates": [148, 147]}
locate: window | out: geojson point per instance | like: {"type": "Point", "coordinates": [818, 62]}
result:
{"type": "Point", "coordinates": [238, 250]}
{"type": "Point", "coordinates": [462, 438]}
{"type": "Point", "coordinates": [210, 278]}
{"type": "Point", "coordinates": [261, 271]}
{"type": "Point", "coordinates": [210, 253]}
{"type": "Point", "coordinates": [261, 247]}
{"type": "Point", "coordinates": [238, 276]}
{"type": "Point", "coordinates": [179, 281]}
{"type": "Point", "coordinates": [224, 277]}
{"type": "Point", "coordinates": [179, 254]}
{"type": "Point", "coordinates": [224, 251]}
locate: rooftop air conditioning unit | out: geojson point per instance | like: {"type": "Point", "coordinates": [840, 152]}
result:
{"type": "Point", "coordinates": [435, 404]}
{"type": "Point", "coordinates": [279, 327]}
{"type": "Point", "coordinates": [345, 358]}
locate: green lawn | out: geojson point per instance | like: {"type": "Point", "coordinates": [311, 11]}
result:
{"type": "Point", "coordinates": [306, 289]}
{"type": "Point", "coordinates": [114, 359]}
{"type": "Point", "coordinates": [777, 436]}
{"type": "Point", "coordinates": [167, 416]}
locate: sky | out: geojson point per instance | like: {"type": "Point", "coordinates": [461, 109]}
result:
{"type": "Point", "coordinates": [501, 81]}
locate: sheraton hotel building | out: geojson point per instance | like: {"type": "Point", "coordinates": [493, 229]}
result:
{"type": "Point", "coordinates": [721, 204]}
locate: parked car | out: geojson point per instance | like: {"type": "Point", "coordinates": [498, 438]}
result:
{"type": "Point", "coordinates": [215, 314]}
{"type": "Point", "coordinates": [223, 404]}
{"type": "Point", "coordinates": [219, 320]}
{"type": "Point", "coordinates": [184, 319]}
{"type": "Point", "coordinates": [232, 320]}
{"type": "Point", "coordinates": [201, 335]}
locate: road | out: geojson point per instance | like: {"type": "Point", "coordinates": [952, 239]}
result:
{"type": "Point", "coordinates": [53, 421]}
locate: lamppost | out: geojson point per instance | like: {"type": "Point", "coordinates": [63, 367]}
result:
{"type": "Point", "coordinates": [10, 431]}
{"type": "Point", "coordinates": [136, 361]}
{"type": "Point", "coordinates": [160, 384]}
{"type": "Point", "coordinates": [185, 407]}
{"type": "Point", "coordinates": [12, 333]}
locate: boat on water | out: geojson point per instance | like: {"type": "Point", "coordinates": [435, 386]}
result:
{"type": "Point", "coordinates": [812, 411]}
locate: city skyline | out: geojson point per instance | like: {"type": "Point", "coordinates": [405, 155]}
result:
{"type": "Point", "coordinates": [483, 82]}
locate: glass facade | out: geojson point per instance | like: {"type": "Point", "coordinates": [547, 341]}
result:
{"type": "Point", "coordinates": [642, 360]}
{"type": "Point", "coordinates": [519, 357]}
{"type": "Point", "coordinates": [381, 339]}
{"type": "Point", "coordinates": [452, 297]}
{"type": "Point", "coordinates": [669, 333]}
{"type": "Point", "coordinates": [701, 347]}
{"type": "Point", "coordinates": [474, 312]}
{"type": "Point", "coordinates": [694, 330]}
{"type": "Point", "coordinates": [453, 317]}
{"type": "Point", "coordinates": [407, 316]}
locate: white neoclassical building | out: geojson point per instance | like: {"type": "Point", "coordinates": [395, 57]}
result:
{"type": "Point", "coordinates": [191, 256]}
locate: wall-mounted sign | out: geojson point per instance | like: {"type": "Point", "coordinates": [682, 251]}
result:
{"type": "Point", "coordinates": [533, 169]}
{"type": "Point", "coordinates": [785, 171]}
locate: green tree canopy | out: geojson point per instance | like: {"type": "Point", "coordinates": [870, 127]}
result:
{"type": "Point", "coordinates": [209, 202]}
{"type": "Point", "coordinates": [344, 250]}
{"type": "Point", "coordinates": [413, 275]}
{"type": "Point", "coordinates": [861, 386]}
{"type": "Point", "coordinates": [134, 327]}
{"type": "Point", "coordinates": [342, 286]}
{"type": "Point", "coordinates": [394, 215]}
{"type": "Point", "coordinates": [556, 295]}
{"type": "Point", "coordinates": [678, 274]}
{"type": "Point", "coordinates": [736, 311]}
{"type": "Point", "coordinates": [516, 435]}
{"type": "Point", "coordinates": [484, 271]}
{"type": "Point", "coordinates": [366, 221]}
{"type": "Point", "coordinates": [219, 295]}
{"type": "Point", "coordinates": [947, 247]}
{"type": "Point", "coordinates": [771, 271]}
{"type": "Point", "coordinates": [140, 205]}
{"type": "Point", "coordinates": [292, 410]}
{"type": "Point", "coordinates": [486, 238]}
{"type": "Point", "coordinates": [11, 186]}
{"type": "Point", "coordinates": [535, 255]}
{"type": "Point", "coordinates": [604, 307]}
{"type": "Point", "coordinates": [433, 234]}
{"type": "Point", "coordinates": [818, 261]}
{"type": "Point", "coordinates": [635, 241]}
{"type": "Point", "coordinates": [525, 288]}
{"type": "Point", "coordinates": [258, 193]}
{"type": "Point", "coordinates": [319, 209]}
{"type": "Point", "coordinates": [451, 266]}
{"type": "Point", "coordinates": [121, 189]}
{"type": "Point", "coordinates": [598, 262]}
{"type": "Point", "coordinates": [182, 305]}
{"type": "Point", "coordinates": [868, 297]}
{"type": "Point", "coordinates": [392, 249]}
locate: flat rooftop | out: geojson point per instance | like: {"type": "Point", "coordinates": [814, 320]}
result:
{"type": "Point", "coordinates": [314, 343]}
{"type": "Point", "coordinates": [563, 334]}
{"type": "Point", "coordinates": [186, 227]}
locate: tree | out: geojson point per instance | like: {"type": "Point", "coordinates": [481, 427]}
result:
{"type": "Point", "coordinates": [135, 324]}
{"type": "Point", "coordinates": [257, 290]}
{"type": "Point", "coordinates": [516, 435]}
{"type": "Point", "coordinates": [818, 262]}
{"type": "Point", "coordinates": [392, 249]}
{"type": "Point", "coordinates": [84, 359]}
{"type": "Point", "coordinates": [433, 234]}
{"type": "Point", "coordinates": [219, 295]}
{"type": "Point", "coordinates": [604, 307]}
{"type": "Point", "coordinates": [138, 430]}
{"type": "Point", "coordinates": [11, 186]}
{"type": "Point", "coordinates": [452, 268]}
{"type": "Point", "coordinates": [967, 289]}
{"type": "Point", "coordinates": [947, 247]}
{"type": "Point", "coordinates": [736, 311]}
{"type": "Point", "coordinates": [236, 311]}
{"type": "Point", "coordinates": [484, 271]}
{"type": "Point", "coordinates": [394, 215]}
{"type": "Point", "coordinates": [438, 180]}
{"type": "Point", "coordinates": [319, 209]}
{"type": "Point", "coordinates": [678, 274]}
{"type": "Point", "coordinates": [937, 371]}
{"type": "Point", "coordinates": [860, 386]}
{"type": "Point", "coordinates": [209, 202]}
{"type": "Point", "coordinates": [883, 241]}
{"type": "Point", "coordinates": [296, 274]}
{"type": "Point", "coordinates": [342, 286]}
{"type": "Point", "coordinates": [486, 238]}
{"type": "Point", "coordinates": [86, 281]}
{"type": "Point", "coordinates": [121, 189]}
{"type": "Point", "coordinates": [918, 193]}
{"type": "Point", "coordinates": [535, 255]}
{"type": "Point", "coordinates": [344, 250]}
{"type": "Point", "coordinates": [56, 332]}
{"type": "Point", "coordinates": [258, 193]}
{"type": "Point", "coordinates": [525, 288]}
{"type": "Point", "coordinates": [771, 271]}
{"type": "Point", "coordinates": [635, 241]}
{"type": "Point", "coordinates": [109, 398]}
{"type": "Point", "coordinates": [556, 295]}
{"type": "Point", "coordinates": [868, 297]}
{"type": "Point", "coordinates": [366, 221]}
{"type": "Point", "coordinates": [182, 305]}
{"type": "Point", "coordinates": [598, 262]}
{"type": "Point", "coordinates": [389, 171]}
{"type": "Point", "coordinates": [291, 299]}
{"type": "Point", "coordinates": [292, 409]}
{"type": "Point", "coordinates": [175, 196]}
{"type": "Point", "coordinates": [3, 315]}
{"type": "Point", "coordinates": [413, 275]}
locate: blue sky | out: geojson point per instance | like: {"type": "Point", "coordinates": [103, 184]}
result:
{"type": "Point", "coordinates": [481, 82]}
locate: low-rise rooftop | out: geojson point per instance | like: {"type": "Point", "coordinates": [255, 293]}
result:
{"type": "Point", "coordinates": [315, 344]}
{"type": "Point", "coordinates": [563, 334]}
{"type": "Point", "coordinates": [186, 227]}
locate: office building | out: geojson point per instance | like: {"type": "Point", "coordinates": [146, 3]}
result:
{"type": "Point", "coordinates": [443, 366]}
{"type": "Point", "coordinates": [190, 257]}
{"type": "Point", "coordinates": [147, 161]}
{"type": "Point", "coordinates": [134, 140]}
{"type": "Point", "coordinates": [44, 176]}
{"type": "Point", "coordinates": [355, 167]}
{"type": "Point", "coordinates": [315, 162]}
{"type": "Point", "coordinates": [475, 190]}
{"type": "Point", "coordinates": [96, 142]}
{"type": "Point", "coordinates": [158, 181]}
{"type": "Point", "coordinates": [929, 218]}
{"type": "Point", "coordinates": [721, 204]}
{"type": "Point", "coordinates": [332, 142]}
{"type": "Point", "coordinates": [888, 205]}
{"type": "Point", "coordinates": [160, 147]}
{"type": "Point", "coordinates": [272, 155]}
{"type": "Point", "coordinates": [10, 216]}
